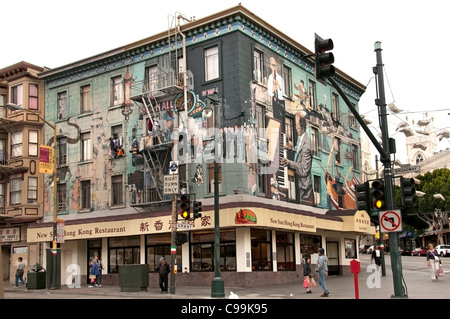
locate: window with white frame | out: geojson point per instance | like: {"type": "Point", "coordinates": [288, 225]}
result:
{"type": "Point", "coordinates": [33, 92]}
{"type": "Point", "coordinates": [151, 78]}
{"type": "Point", "coordinates": [116, 91]}
{"type": "Point", "coordinates": [314, 141]}
{"type": "Point", "coordinates": [16, 144]}
{"type": "Point", "coordinates": [211, 63]}
{"type": "Point", "coordinates": [62, 105]}
{"type": "Point", "coordinates": [317, 189]}
{"type": "Point", "coordinates": [17, 94]}
{"type": "Point", "coordinates": [62, 151]}
{"type": "Point", "coordinates": [260, 118]}
{"type": "Point", "coordinates": [32, 195]}
{"type": "Point", "coordinates": [15, 185]}
{"type": "Point", "coordinates": [33, 143]}
{"type": "Point", "coordinates": [85, 99]}
{"type": "Point", "coordinates": [287, 79]}
{"type": "Point", "coordinates": [117, 190]}
{"type": "Point", "coordinates": [86, 147]}
{"type": "Point", "coordinates": [312, 94]}
{"type": "Point", "coordinates": [335, 107]}
{"type": "Point", "coordinates": [337, 150]}
{"type": "Point", "coordinates": [258, 66]}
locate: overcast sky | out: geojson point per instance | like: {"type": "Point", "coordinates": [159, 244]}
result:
{"type": "Point", "coordinates": [414, 36]}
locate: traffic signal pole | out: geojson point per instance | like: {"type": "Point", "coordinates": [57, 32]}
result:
{"type": "Point", "coordinates": [396, 262]}
{"type": "Point", "coordinates": [399, 290]}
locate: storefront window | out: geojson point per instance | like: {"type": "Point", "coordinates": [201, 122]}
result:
{"type": "Point", "coordinates": [159, 246]}
{"type": "Point", "coordinates": [261, 249]}
{"type": "Point", "coordinates": [202, 248]}
{"type": "Point", "coordinates": [350, 248]}
{"type": "Point", "coordinates": [309, 244]}
{"type": "Point", "coordinates": [285, 251]}
{"type": "Point", "coordinates": [123, 251]}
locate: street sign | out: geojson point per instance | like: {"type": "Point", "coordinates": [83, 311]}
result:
{"type": "Point", "coordinates": [407, 169]}
{"type": "Point", "coordinates": [171, 184]}
{"type": "Point", "coordinates": [390, 221]}
{"type": "Point", "coordinates": [173, 166]}
{"type": "Point", "coordinates": [184, 226]}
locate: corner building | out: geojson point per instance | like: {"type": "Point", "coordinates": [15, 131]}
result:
{"type": "Point", "coordinates": [287, 154]}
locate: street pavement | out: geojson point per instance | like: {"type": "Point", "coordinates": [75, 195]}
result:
{"type": "Point", "coordinates": [368, 284]}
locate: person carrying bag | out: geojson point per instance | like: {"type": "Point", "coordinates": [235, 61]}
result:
{"type": "Point", "coordinates": [434, 263]}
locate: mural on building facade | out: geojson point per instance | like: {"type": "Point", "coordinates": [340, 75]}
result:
{"type": "Point", "coordinates": [295, 152]}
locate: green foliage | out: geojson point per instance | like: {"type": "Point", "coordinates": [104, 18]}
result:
{"type": "Point", "coordinates": [435, 182]}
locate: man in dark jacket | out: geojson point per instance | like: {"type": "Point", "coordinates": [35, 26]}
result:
{"type": "Point", "coordinates": [163, 271]}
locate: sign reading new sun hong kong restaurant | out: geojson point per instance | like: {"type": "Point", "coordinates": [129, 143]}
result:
{"type": "Point", "coordinates": [280, 220]}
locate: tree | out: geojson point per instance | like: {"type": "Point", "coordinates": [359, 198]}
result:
{"type": "Point", "coordinates": [433, 209]}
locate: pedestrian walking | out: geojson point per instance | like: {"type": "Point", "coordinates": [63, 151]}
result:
{"type": "Point", "coordinates": [308, 275]}
{"type": "Point", "coordinates": [376, 256]}
{"type": "Point", "coordinates": [163, 271]}
{"type": "Point", "coordinates": [100, 269]}
{"type": "Point", "coordinates": [94, 272]}
{"type": "Point", "coordinates": [20, 269]}
{"type": "Point", "coordinates": [433, 262]}
{"type": "Point", "coordinates": [322, 269]}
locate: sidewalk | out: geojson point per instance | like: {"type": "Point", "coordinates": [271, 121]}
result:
{"type": "Point", "coordinates": [417, 283]}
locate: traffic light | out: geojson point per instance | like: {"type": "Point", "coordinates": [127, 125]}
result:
{"type": "Point", "coordinates": [185, 209]}
{"type": "Point", "coordinates": [378, 194]}
{"type": "Point", "coordinates": [197, 209]}
{"type": "Point", "coordinates": [323, 63]}
{"type": "Point", "coordinates": [408, 192]}
{"type": "Point", "coordinates": [363, 197]}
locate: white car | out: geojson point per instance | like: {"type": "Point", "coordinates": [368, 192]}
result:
{"type": "Point", "coordinates": [443, 250]}
{"type": "Point", "coordinates": [370, 249]}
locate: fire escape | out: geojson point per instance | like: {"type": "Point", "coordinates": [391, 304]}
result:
{"type": "Point", "coordinates": [169, 82]}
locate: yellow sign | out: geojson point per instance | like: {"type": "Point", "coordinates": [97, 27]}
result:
{"type": "Point", "coordinates": [46, 158]}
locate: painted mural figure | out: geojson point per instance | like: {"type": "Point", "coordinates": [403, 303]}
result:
{"type": "Point", "coordinates": [303, 95]}
{"type": "Point", "coordinates": [302, 162]}
{"type": "Point", "coordinates": [275, 87]}
{"type": "Point", "coordinates": [275, 188]}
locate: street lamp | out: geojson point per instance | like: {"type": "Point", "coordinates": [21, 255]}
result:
{"type": "Point", "coordinates": [15, 107]}
{"type": "Point", "coordinates": [217, 285]}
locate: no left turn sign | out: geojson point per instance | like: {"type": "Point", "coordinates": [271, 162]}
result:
{"type": "Point", "coordinates": [391, 221]}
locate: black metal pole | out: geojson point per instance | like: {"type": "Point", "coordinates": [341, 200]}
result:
{"type": "Point", "coordinates": [217, 285]}
{"type": "Point", "coordinates": [396, 262]}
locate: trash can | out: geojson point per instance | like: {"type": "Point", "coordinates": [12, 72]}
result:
{"type": "Point", "coordinates": [133, 278]}
{"type": "Point", "coordinates": [36, 277]}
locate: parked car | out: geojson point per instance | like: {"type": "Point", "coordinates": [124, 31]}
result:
{"type": "Point", "coordinates": [443, 250]}
{"type": "Point", "coordinates": [419, 252]}
{"type": "Point", "coordinates": [370, 249]}
{"type": "Point", "coordinates": [405, 251]}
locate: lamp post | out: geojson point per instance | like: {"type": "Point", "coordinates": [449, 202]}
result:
{"type": "Point", "coordinates": [15, 107]}
{"type": "Point", "coordinates": [217, 284]}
